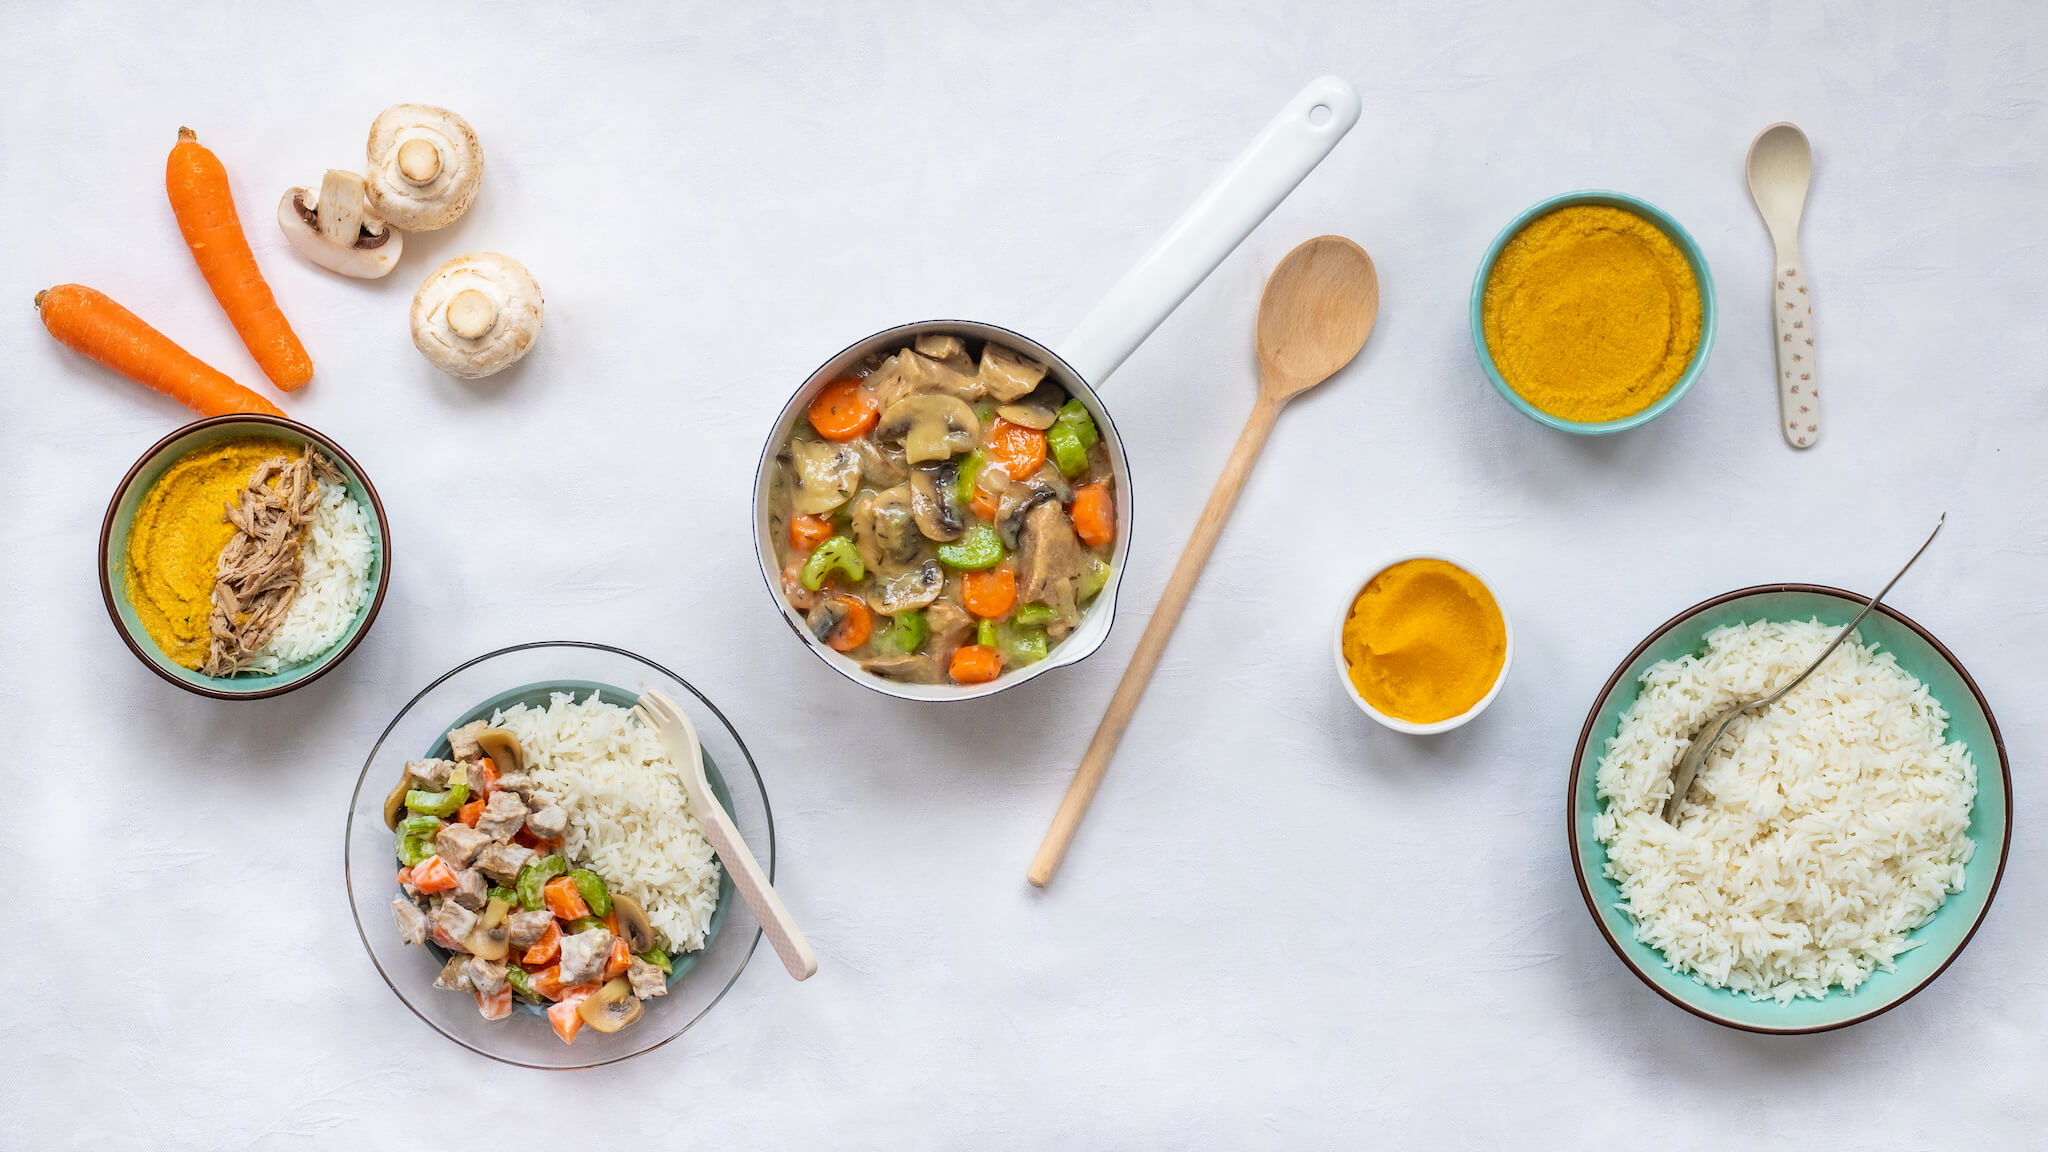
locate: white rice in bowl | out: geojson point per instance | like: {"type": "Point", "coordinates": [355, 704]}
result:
{"type": "Point", "coordinates": [629, 819]}
{"type": "Point", "coordinates": [336, 552]}
{"type": "Point", "coordinates": [1819, 833]}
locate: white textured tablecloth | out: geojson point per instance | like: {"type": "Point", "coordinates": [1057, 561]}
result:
{"type": "Point", "coordinates": [1282, 926]}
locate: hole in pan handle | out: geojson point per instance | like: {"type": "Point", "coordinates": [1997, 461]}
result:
{"type": "Point", "coordinates": [1225, 213]}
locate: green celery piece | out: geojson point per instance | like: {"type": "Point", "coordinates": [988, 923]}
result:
{"type": "Point", "coordinates": [970, 471]}
{"type": "Point", "coordinates": [1035, 615]}
{"type": "Point", "coordinates": [1074, 414]}
{"type": "Point", "coordinates": [501, 893]}
{"type": "Point", "coordinates": [908, 632]}
{"type": "Point", "coordinates": [1067, 451]}
{"type": "Point", "coordinates": [1094, 579]}
{"type": "Point", "coordinates": [835, 555]}
{"type": "Point", "coordinates": [659, 959]}
{"type": "Point", "coordinates": [522, 984]}
{"type": "Point", "coordinates": [592, 889]}
{"type": "Point", "coordinates": [985, 634]}
{"type": "Point", "coordinates": [1025, 646]}
{"type": "Point", "coordinates": [416, 838]}
{"type": "Point", "coordinates": [533, 876]}
{"type": "Point", "coordinates": [438, 803]}
{"type": "Point", "coordinates": [979, 548]}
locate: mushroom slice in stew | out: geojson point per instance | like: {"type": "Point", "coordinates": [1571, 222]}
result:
{"type": "Point", "coordinates": [935, 501]}
{"type": "Point", "coordinates": [885, 531]}
{"type": "Point", "coordinates": [930, 427]}
{"type": "Point", "coordinates": [824, 477]}
{"type": "Point", "coordinates": [1008, 376]}
{"type": "Point", "coordinates": [912, 590]}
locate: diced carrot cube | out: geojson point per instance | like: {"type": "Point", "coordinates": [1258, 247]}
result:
{"type": "Point", "coordinates": [567, 1022]}
{"type": "Point", "coordinates": [563, 899]}
{"type": "Point", "coordinates": [470, 813]}
{"type": "Point", "coordinates": [433, 875]}
{"type": "Point", "coordinates": [495, 1007]}
{"type": "Point", "coordinates": [619, 961]}
{"type": "Point", "coordinates": [487, 772]}
{"type": "Point", "coordinates": [548, 981]}
{"type": "Point", "coordinates": [546, 949]}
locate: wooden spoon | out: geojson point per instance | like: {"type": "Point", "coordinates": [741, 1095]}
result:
{"type": "Point", "coordinates": [1317, 310]}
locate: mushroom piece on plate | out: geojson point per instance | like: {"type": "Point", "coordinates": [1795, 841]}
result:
{"type": "Point", "coordinates": [477, 314]}
{"type": "Point", "coordinates": [333, 228]}
{"type": "Point", "coordinates": [931, 427]}
{"type": "Point", "coordinates": [425, 166]}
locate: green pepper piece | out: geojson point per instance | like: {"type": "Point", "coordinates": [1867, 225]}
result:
{"type": "Point", "coordinates": [1024, 646]}
{"type": "Point", "coordinates": [835, 555]}
{"type": "Point", "coordinates": [1074, 414]}
{"type": "Point", "coordinates": [441, 803]}
{"type": "Point", "coordinates": [985, 634]}
{"type": "Point", "coordinates": [592, 887]}
{"type": "Point", "coordinates": [1067, 451]}
{"type": "Point", "coordinates": [659, 959]}
{"type": "Point", "coordinates": [908, 632]}
{"type": "Point", "coordinates": [1094, 579]}
{"type": "Point", "coordinates": [979, 548]}
{"type": "Point", "coordinates": [416, 838]}
{"type": "Point", "coordinates": [583, 924]}
{"type": "Point", "coordinates": [1034, 615]}
{"type": "Point", "coordinates": [522, 984]}
{"type": "Point", "coordinates": [970, 471]}
{"type": "Point", "coordinates": [498, 892]}
{"type": "Point", "coordinates": [533, 876]}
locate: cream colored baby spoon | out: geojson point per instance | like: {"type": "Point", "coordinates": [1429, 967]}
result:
{"type": "Point", "coordinates": [1780, 166]}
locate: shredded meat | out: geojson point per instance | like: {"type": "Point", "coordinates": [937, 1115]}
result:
{"type": "Point", "coordinates": [260, 567]}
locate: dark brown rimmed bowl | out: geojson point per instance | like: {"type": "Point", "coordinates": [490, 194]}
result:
{"type": "Point", "coordinates": [114, 552]}
{"type": "Point", "coordinates": [1939, 941]}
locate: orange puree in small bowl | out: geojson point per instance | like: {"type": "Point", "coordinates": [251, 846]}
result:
{"type": "Point", "coordinates": [1424, 641]}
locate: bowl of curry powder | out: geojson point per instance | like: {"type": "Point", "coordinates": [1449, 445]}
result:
{"type": "Point", "coordinates": [1593, 312]}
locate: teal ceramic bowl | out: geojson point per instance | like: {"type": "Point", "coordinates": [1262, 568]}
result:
{"type": "Point", "coordinates": [1709, 314]}
{"type": "Point", "coordinates": [114, 550]}
{"type": "Point", "coordinates": [1940, 939]}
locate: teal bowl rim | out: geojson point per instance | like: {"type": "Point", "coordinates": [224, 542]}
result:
{"type": "Point", "coordinates": [1709, 310]}
{"type": "Point", "coordinates": [1586, 736]}
{"type": "Point", "coordinates": [314, 670]}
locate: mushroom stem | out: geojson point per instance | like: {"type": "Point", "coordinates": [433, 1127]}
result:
{"type": "Point", "coordinates": [340, 207]}
{"type": "Point", "coordinates": [419, 161]}
{"type": "Point", "coordinates": [471, 314]}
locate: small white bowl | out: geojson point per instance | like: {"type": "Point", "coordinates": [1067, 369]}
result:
{"type": "Point", "coordinates": [1344, 669]}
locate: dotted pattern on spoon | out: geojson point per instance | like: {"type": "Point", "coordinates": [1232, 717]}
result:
{"type": "Point", "coordinates": [1798, 377]}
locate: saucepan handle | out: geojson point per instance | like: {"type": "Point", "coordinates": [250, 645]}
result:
{"type": "Point", "coordinates": [1225, 213]}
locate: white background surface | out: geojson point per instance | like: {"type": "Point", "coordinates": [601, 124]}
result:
{"type": "Point", "coordinates": [1282, 926]}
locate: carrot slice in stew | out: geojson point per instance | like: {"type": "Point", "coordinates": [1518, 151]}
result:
{"type": "Point", "coordinates": [984, 504]}
{"type": "Point", "coordinates": [844, 410]}
{"type": "Point", "coordinates": [855, 629]}
{"type": "Point", "coordinates": [989, 594]}
{"type": "Point", "coordinates": [616, 964]}
{"type": "Point", "coordinates": [563, 899]}
{"type": "Point", "coordinates": [495, 1007]}
{"type": "Point", "coordinates": [564, 1018]}
{"type": "Point", "coordinates": [433, 875]}
{"type": "Point", "coordinates": [545, 950]}
{"type": "Point", "coordinates": [1017, 450]}
{"type": "Point", "coordinates": [806, 532]}
{"type": "Point", "coordinates": [471, 812]}
{"type": "Point", "coordinates": [1094, 515]}
{"type": "Point", "coordinates": [976, 664]}
{"type": "Point", "coordinates": [488, 773]}
{"type": "Point", "coordinates": [548, 981]}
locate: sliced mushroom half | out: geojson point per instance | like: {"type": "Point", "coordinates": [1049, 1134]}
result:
{"type": "Point", "coordinates": [394, 802]}
{"type": "Point", "coordinates": [824, 477]}
{"type": "Point", "coordinates": [333, 228]}
{"type": "Point", "coordinates": [1037, 410]}
{"type": "Point", "coordinates": [504, 749]}
{"type": "Point", "coordinates": [491, 938]}
{"type": "Point", "coordinates": [911, 590]}
{"type": "Point", "coordinates": [947, 349]}
{"type": "Point", "coordinates": [425, 166]}
{"type": "Point", "coordinates": [1016, 506]}
{"type": "Point", "coordinates": [931, 427]}
{"type": "Point", "coordinates": [1006, 375]}
{"type": "Point", "coordinates": [477, 314]}
{"type": "Point", "coordinates": [935, 501]}
{"type": "Point", "coordinates": [634, 927]}
{"type": "Point", "coordinates": [885, 530]}
{"type": "Point", "coordinates": [611, 1007]}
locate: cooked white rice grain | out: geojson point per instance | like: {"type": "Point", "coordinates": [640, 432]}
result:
{"type": "Point", "coordinates": [1819, 833]}
{"type": "Point", "coordinates": [337, 553]}
{"type": "Point", "coordinates": [629, 818]}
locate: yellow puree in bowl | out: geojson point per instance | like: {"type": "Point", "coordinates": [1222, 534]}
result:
{"type": "Point", "coordinates": [1424, 641]}
{"type": "Point", "coordinates": [1591, 313]}
{"type": "Point", "coordinates": [175, 540]}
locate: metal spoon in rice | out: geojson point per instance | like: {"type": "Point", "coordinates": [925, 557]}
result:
{"type": "Point", "coordinates": [1696, 752]}
{"type": "Point", "coordinates": [679, 737]}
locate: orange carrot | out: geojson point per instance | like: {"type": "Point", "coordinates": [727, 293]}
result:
{"type": "Point", "coordinates": [1094, 515]}
{"type": "Point", "coordinates": [405, 877]}
{"type": "Point", "coordinates": [546, 949]}
{"type": "Point", "coordinates": [433, 875]}
{"type": "Point", "coordinates": [548, 981]}
{"type": "Point", "coordinates": [198, 187]}
{"type": "Point", "coordinates": [984, 503]}
{"type": "Point", "coordinates": [91, 325]}
{"type": "Point", "coordinates": [495, 1007]}
{"type": "Point", "coordinates": [563, 1016]}
{"type": "Point", "coordinates": [563, 899]}
{"type": "Point", "coordinates": [991, 594]}
{"type": "Point", "coordinates": [1017, 450]}
{"type": "Point", "coordinates": [471, 812]}
{"type": "Point", "coordinates": [975, 664]}
{"type": "Point", "coordinates": [806, 532]}
{"type": "Point", "coordinates": [855, 629]}
{"type": "Point", "coordinates": [616, 964]}
{"type": "Point", "coordinates": [844, 410]}
{"type": "Point", "coordinates": [486, 778]}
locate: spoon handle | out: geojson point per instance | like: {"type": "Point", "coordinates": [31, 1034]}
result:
{"type": "Point", "coordinates": [1131, 689]}
{"type": "Point", "coordinates": [1798, 377]}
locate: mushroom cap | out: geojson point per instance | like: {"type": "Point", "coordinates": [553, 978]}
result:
{"type": "Point", "coordinates": [310, 225]}
{"type": "Point", "coordinates": [451, 178]}
{"type": "Point", "coordinates": [511, 326]}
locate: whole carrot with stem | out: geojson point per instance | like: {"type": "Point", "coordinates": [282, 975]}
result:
{"type": "Point", "coordinates": [198, 187]}
{"type": "Point", "coordinates": [90, 324]}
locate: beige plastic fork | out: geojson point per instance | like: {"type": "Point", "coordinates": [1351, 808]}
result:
{"type": "Point", "coordinates": [679, 736]}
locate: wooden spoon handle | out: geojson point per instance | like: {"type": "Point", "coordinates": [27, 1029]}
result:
{"type": "Point", "coordinates": [1798, 377]}
{"type": "Point", "coordinates": [1088, 777]}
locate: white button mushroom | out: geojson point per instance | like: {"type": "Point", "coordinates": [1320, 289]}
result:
{"type": "Point", "coordinates": [334, 229]}
{"type": "Point", "coordinates": [477, 314]}
{"type": "Point", "coordinates": [425, 166]}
